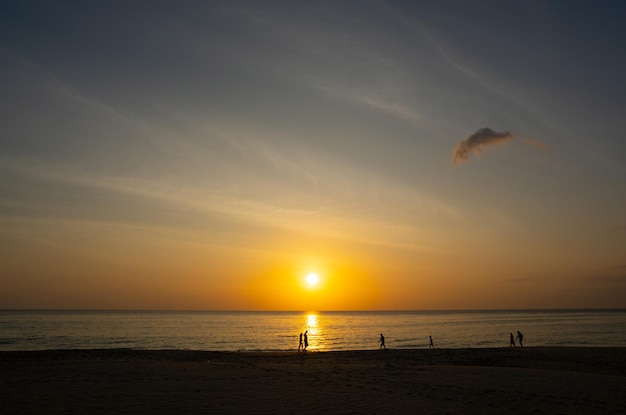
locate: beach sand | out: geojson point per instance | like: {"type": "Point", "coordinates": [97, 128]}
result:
{"type": "Point", "coordinates": [446, 381]}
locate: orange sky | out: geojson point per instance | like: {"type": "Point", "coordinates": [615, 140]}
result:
{"type": "Point", "coordinates": [87, 265]}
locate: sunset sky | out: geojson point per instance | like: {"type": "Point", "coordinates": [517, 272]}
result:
{"type": "Point", "coordinates": [212, 154]}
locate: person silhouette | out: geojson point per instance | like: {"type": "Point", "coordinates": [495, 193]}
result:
{"type": "Point", "coordinates": [520, 338]}
{"type": "Point", "coordinates": [382, 341]}
{"type": "Point", "coordinates": [300, 346]}
{"type": "Point", "coordinates": [512, 341]}
{"type": "Point", "coordinates": [431, 345]}
{"type": "Point", "coordinates": [306, 340]}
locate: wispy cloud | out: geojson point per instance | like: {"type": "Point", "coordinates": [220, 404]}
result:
{"type": "Point", "coordinates": [331, 210]}
{"type": "Point", "coordinates": [372, 99]}
{"type": "Point", "coordinates": [477, 142]}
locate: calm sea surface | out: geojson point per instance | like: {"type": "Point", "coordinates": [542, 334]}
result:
{"type": "Point", "coordinates": [273, 331]}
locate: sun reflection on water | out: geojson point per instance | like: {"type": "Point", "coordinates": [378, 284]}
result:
{"type": "Point", "coordinates": [315, 332]}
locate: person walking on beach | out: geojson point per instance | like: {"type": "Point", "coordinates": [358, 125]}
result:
{"type": "Point", "coordinates": [512, 341]}
{"type": "Point", "coordinates": [300, 346]}
{"type": "Point", "coordinates": [520, 338]}
{"type": "Point", "coordinates": [306, 340]}
{"type": "Point", "coordinates": [431, 345]}
{"type": "Point", "coordinates": [382, 341]}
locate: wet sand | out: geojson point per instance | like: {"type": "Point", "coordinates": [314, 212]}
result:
{"type": "Point", "coordinates": [449, 381]}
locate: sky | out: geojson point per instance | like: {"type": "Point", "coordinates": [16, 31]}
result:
{"type": "Point", "coordinates": [212, 154]}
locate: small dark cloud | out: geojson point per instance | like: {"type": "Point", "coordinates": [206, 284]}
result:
{"type": "Point", "coordinates": [619, 228]}
{"type": "Point", "coordinates": [477, 142]}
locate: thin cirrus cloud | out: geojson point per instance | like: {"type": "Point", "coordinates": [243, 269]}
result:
{"type": "Point", "coordinates": [296, 213]}
{"type": "Point", "coordinates": [478, 142]}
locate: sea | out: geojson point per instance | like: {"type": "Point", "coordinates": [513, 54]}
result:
{"type": "Point", "coordinates": [267, 331]}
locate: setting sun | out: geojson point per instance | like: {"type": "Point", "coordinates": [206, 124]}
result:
{"type": "Point", "coordinates": [312, 279]}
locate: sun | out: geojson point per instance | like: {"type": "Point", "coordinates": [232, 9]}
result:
{"type": "Point", "coordinates": [312, 279]}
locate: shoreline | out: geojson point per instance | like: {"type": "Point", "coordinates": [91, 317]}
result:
{"type": "Point", "coordinates": [573, 380]}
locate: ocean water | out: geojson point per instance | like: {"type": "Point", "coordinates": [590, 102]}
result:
{"type": "Point", "coordinates": [278, 331]}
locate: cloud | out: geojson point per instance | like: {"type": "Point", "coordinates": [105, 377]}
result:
{"type": "Point", "coordinates": [476, 142]}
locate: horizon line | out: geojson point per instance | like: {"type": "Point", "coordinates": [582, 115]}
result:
{"type": "Point", "coordinates": [317, 311]}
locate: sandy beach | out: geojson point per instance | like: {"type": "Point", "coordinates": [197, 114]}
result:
{"type": "Point", "coordinates": [448, 381]}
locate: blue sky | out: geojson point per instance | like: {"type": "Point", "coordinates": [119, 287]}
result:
{"type": "Point", "coordinates": [177, 154]}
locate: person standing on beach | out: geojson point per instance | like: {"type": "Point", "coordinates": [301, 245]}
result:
{"type": "Point", "coordinates": [520, 338]}
{"type": "Point", "coordinates": [382, 341]}
{"type": "Point", "coordinates": [431, 345]}
{"type": "Point", "coordinates": [512, 342]}
{"type": "Point", "coordinates": [306, 340]}
{"type": "Point", "coordinates": [300, 346]}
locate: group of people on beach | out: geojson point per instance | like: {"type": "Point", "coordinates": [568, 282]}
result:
{"type": "Point", "coordinates": [519, 337]}
{"type": "Point", "coordinates": [304, 341]}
